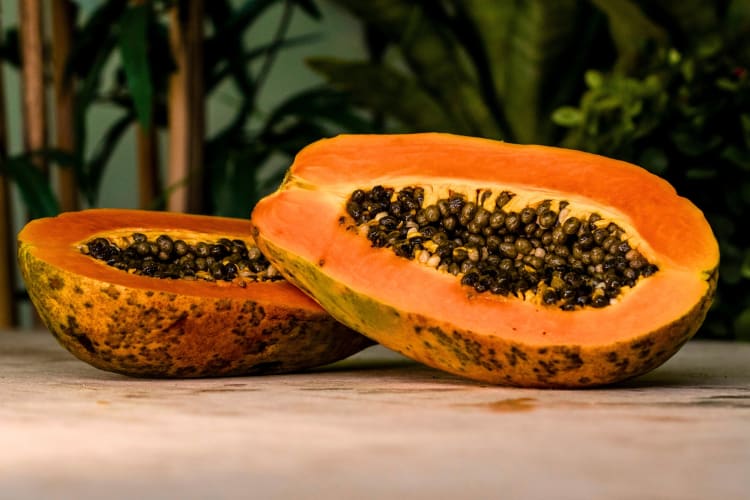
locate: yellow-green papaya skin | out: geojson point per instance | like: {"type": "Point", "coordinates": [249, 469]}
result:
{"type": "Point", "coordinates": [308, 232]}
{"type": "Point", "coordinates": [147, 332]}
{"type": "Point", "coordinates": [476, 356]}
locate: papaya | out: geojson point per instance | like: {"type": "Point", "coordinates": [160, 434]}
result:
{"type": "Point", "coordinates": [510, 264]}
{"type": "Point", "coordinates": [167, 295]}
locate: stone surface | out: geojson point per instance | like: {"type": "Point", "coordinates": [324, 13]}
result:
{"type": "Point", "coordinates": [373, 426]}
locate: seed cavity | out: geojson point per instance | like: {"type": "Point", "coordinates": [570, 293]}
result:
{"type": "Point", "coordinates": [566, 261]}
{"type": "Point", "coordinates": [222, 260]}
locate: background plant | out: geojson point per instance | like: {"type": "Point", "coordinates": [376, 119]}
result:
{"type": "Point", "coordinates": [121, 59]}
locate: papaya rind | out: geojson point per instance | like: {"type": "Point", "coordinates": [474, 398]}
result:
{"type": "Point", "coordinates": [395, 301]}
{"type": "Point", "coordinates": [490, 358]}
{"type": "Point", "coordinates": [141, 332]}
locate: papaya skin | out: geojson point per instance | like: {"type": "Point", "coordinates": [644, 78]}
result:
{"type": "Point", "coordinates": [429, 317]}
{"type": "Point", "coordinates": [149, 327]}
{"type": "Point", "coordinates": [493, 359]}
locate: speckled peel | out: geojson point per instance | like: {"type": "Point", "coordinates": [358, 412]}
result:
{"type": "Point", "coordinates": [147, 327]}
{"type": "Point", "coordinates": [430, 317]}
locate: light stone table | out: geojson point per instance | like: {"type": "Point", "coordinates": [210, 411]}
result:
{"type": "Point", "coordinates": [373, 426]}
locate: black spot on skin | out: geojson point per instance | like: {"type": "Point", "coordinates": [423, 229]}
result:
{"type": "Point", "coordinates": [73, 330]}
{"type": "Point", "coordinates": [514, 355]}
{"type": "Point", "coordinates": [572, 358]}
{"type": "Point", "coordinates": [642, 348]}
{"type": "Point", "coordinates": [55, 283]}
{"type": "Point", "coordinates": [223, 305]}
{"type": "Point", "coordinates": [85, 341]}
{"type": "Point", "coordinates": [321, 263]}
{"type": "Point", "coordinates": [78, 290]}
{"type": "Point", "coordinates": [584, 380]}
{"type": "Point", "coordinates": [112, 292]}
{"type": "Point", "coordinates": [255, 312]}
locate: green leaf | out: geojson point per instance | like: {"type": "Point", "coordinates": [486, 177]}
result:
{"type": "Point", "coordinates": [527, 45]}
{"type": "Point", "coordinates": [434, 59]}
{"type": "Point", "coordinates": [95, 166]}
{"type": "Point", "coordinates": [238, 169]}
{"type": "Point", "coordinates": [745, 269]}
{"type": "Point", "coordinates": [229, 25]}
{"type": "Point", "coordinates": [381, 88]}
{"type": "Point", "coordinates": [34, 186]}
{"type": "Point", "coordinates": [10, 51]}
{"type": "Point", "coordinates": [631, 31]}
{"type": "Point", "coordinates": [568, 116]}
{"type": "Point", "coordinates": [695, 18]}
{"type": "Point", "coordinates": [319, 104]}
{"type": "Point", "coordinates": [133, 43]}
{"type": "Point", "coordinates": [309, 8]}
{"type": "Point", "coordinates": [655, 160]}
{"type": "Point", "coordinates": [594, 79]}
{"type": "Point", "coordinates": [93, 37]}
{"type": "Point", "coordinates": [701, 173]}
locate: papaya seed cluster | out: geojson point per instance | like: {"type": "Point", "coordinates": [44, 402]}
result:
{"type": "Point", "coordinates": [164, 257]}
{"type": "Point", "coordinates": [569, 262]}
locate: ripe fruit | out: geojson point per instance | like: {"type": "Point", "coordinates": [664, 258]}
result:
{"type": "Point", "coordinates": [510, 264]}
{"type": "Point", "coordinates": [187, 322]}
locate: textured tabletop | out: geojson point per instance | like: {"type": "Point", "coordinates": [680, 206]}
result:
{"type": "Point", "coordinates": [373, 426]}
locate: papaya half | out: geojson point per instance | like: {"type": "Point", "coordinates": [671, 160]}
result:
{"type": "Point", "coordinates": [120, 289]}
{"type": "Point", "coordinates": [509, 264]}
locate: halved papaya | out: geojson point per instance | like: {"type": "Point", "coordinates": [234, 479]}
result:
{"type": "Point", "coordinates": [110, 285]}
{"type": "Point", "coordinates": [511, 264]}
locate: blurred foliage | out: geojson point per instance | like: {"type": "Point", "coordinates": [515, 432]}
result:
{"type": "Point", "coordinates": [663, 84]}
{"type": "Point", "coordinates": [121, 59]}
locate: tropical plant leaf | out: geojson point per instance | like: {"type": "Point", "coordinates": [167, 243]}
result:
{"type": "Point", "coordinates": [10, 51]}
{"type": "Point", "coordinates": [229, 25]}
{"type": "Point", "coordinates": [238, 67]}
{"type": "Point", "coordinates": [133, 43]}
{"type": "Point", "coordinates": [737, 27]}
{"type": "Point", "coordinates": [318, 104]}
{"type": "Point", "coordinates": [695, 18]}
{"type": "Point", "coordinates": [34, 186]}
{"type": "Point", "coordinates": [308, 7]}
{"type": "Point", "coordinates": [381, 88]}
{"type": "Point", "coordinates": [525, 44]}
{"type": "Point", "coordinates": [631, 31]}
{"type": "Point", "coordinates": [240, 168]}
{"type": "Point", "coordinates": [94, 36]}
{"type": "Point", "coordinates": [86, 94]}
{"type": "Point", "coordinates": [94, 168]}
{"type": "Point", "coordinates": [436, 61]}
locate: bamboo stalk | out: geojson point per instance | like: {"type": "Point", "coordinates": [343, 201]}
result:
{"type": "Point", "coordinates": [32, 78]}
{"type": "Point", "coordinates": [147, 150]}
{"type": "Point", "coordinates": [7, 239]}
{"type": "Point", "coordinates": [148, 166]}
{"type": "Point", "coordinates": [63, 19]}
{"type": "Point", "coordinates": [186, 109]}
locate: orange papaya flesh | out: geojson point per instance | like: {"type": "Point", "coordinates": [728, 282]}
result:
{"type": "Point", "coordinates": [304, 229]}
{"type": "Point", "coordinates": [144, 326]}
